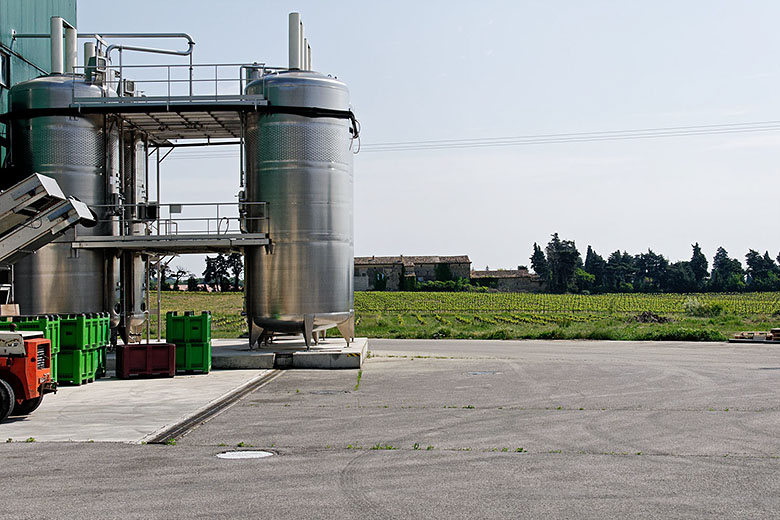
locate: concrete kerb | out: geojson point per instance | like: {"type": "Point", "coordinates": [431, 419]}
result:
{"type": "Point", "coordinates": [187, 422]}
{"type": "Point", "coordinates": [331, 353]}
{"type": "Point", "coordinates": [129, 410]}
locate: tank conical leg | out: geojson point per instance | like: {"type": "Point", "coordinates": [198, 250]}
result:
{"type": "Point", "coordinates": [308, 329]}
{"type": "Point", "coordinates": [255, 333]}
{"type": "Point", "coordinates": [347, 329]}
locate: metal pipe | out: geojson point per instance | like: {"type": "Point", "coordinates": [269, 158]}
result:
{"type": "Point", "coordinates": [305, 54]}
{"type": "Point", "coordinates": [159, 281]}
{"type": "Point", "coordinates": [121, 90]}
{"type": "Point", "coordinates": [147, 294]}
{"type": "Point", "coordinates": [89, 52]}
{"type": "Point", "coordinates": [187, 52]}
{"type": "Point", "coordinates": [308, 58]}
{"type": "Point", "coordinates": [56, 45]}
{"type": "Point", "coordinates": [241, 152]}
{"type": "Point", "coordinates": [147, 321]}
{"type": "Point", "coordinates": [71, 50]}
{"type": "Point", "coordinates": [294, 41]}
{"type": "Point", "coordinates": [61, 60]}
{"type": "Point", "coordinates": [302, 57]}
{"type": "Point", "coordinates": [102, 36]}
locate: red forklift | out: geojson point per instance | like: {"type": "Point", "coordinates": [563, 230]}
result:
{"type": "Point", "coordinates": [25, 372]}
{"type": "Point", "coordinates": [33, 212]}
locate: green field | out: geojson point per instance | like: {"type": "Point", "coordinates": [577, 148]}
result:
{"type": "Point", "coordinates": [699, 317]}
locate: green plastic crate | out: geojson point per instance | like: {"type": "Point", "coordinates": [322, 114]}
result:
{"type": "Point", "coordinates": [104, 329]}
{"type": "Point", "coordinates": [99, 329]}
{"type": "Point", "coordinates": [54, 367]}
{"type": "Point", "coordinates": [77, 332]}
{"type": "Point", "coordinates": [77, 366]}
{"type": "Point", "coordinates": [49, 325]}
{"type": "Point", "coordinates": [101, 361]}
{"type": "Point", "coordinates": [189, 328]}
{"type": "Point", "coordinates": [193, 357]}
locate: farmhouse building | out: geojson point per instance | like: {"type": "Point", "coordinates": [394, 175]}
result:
{"type": "Point", "coordinates": [508, 280]}
{"type": "Point", "coordinates": [394, 273]}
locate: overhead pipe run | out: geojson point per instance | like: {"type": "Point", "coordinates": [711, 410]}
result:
{"type": "Point", "coordinates": [186, 52]}
{"type": "Point", "coordinates": [64, 59]}
{"type": "Point", "coordinates": [152, 50]}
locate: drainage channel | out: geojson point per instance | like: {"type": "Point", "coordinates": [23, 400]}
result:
{"type": "Point", "coordinates": [190, 423]}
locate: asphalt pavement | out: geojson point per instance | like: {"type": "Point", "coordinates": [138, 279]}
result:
{"type": "Point", "coordinates": [451, 429]}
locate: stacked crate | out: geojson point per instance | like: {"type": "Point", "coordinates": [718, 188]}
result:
{"type": "Point", "coordinates": [191, 334]}
{"type": "Point", "coordinates": [83, 342]}
{"type": "Point", "coordinates": [146, 359]}
{"type": "Point", "coordinates": [49, 325]}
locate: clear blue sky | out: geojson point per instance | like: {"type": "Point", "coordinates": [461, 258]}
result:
{"type": "Point", "coordinates": [453, 70]}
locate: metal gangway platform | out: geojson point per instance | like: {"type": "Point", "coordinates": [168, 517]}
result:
{"type": "Point", "coordinates": [182, 228]}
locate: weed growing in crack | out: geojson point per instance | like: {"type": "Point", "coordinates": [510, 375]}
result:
{"type": "Point", "coordinates": [379, 446]}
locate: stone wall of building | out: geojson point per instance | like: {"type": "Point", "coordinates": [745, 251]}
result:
{"type": "Point", "coordinates": [518, 285]}
{"type": "Point", "coordinates": [394, 269]}
{"type": "Point", "coordinates": [366, 277]}
{"type": "Point", "coordinates": [508, 280]}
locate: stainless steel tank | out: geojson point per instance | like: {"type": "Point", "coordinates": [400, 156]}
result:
{"type": "Point", "coordinates": [80, 152]}
{"type": "Point", "coordinates": [302, 167]}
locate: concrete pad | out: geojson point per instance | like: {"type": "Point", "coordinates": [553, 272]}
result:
{"type": "Point", "coordinates": [331, 353]}
{"type": "Point", "coordinates": [124, 410]}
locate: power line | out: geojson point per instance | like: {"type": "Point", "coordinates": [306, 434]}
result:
{"type": "Point", "coordinates": [541, 139]}
{"type": "Point", "coordinates": [612, 135]}
{"type": "Point", "coordinates": [656, 129]}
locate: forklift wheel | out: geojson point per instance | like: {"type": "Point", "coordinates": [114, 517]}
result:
{"type": "Point", "coordinates": [7, 400]}
{"type": "Point", "coordinates": [27, 406]}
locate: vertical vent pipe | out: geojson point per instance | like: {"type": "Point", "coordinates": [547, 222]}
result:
{"type": "Point", "coordinates": [295, 33]}
{"type": "Point", "coordinates": [302, 47]}
{"type": "Point", "coordinates": [56, 45]}
{"type": "Point", "coordinates": [71, 48]}
{"type": "Point", "coordinates": [63, 60]}
{"type": "Point", "coordinates": [89, 52]}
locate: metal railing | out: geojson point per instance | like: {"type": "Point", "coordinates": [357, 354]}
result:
{"type": "Point", "coordinates": [186, 219]}
{"type": "Point", "coordinates": [176, 82]}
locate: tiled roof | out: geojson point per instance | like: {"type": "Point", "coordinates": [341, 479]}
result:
{"type": "Point", "coordinates": [411, 260]}
{"type": "Point", "coordinates": [505, 273]}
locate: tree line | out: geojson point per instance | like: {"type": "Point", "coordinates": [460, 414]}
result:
{"type": "Point", "coordinates": [561, 268]}
{"type": "Point", "coordinates": [222, 273]}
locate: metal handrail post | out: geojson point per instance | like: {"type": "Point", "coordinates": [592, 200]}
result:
{"type": "Point", "coordinates": [121, 83]}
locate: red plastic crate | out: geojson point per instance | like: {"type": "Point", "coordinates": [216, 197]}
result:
{"type": "Point", "coordinates": [146, 359]}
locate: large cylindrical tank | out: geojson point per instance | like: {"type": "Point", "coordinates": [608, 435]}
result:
{"type": "Point", "coordinates": [302, 168]}
{"type": "Point", "coordinates": [80, 153]}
